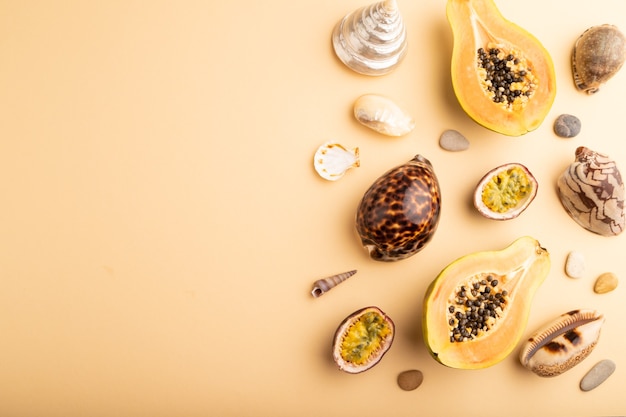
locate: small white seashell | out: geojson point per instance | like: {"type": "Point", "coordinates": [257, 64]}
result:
{"type": "Point", "coordinates": [592, 192]}
{"type": "Point", "coordinates": [575, 265]}
{"type": "Point", "coordinates": [383, 115]}
{"type": "Point", "coordinates": [563, 343]}
{"type": "Point", "coordinates": [372, 39]}
{"type": "Point", "coordinates": [332, 160]}
{"type": "Point", "coordinates": [322, 286]}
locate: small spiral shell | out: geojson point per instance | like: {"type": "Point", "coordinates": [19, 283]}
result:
{"type": "Point", "coordinates": [371, 40]}
{"type": "Point", "coordinates": [322, 286]}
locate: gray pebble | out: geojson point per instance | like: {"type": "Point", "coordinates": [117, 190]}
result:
{"type": "Point", "coordinates": [567, 126]}
{"type": "Point", "coordinates": [454, 141]}
{"type": "Point", "coordinates": [575, 265]}
{"type": "Point", "coordinates": [597, 375]}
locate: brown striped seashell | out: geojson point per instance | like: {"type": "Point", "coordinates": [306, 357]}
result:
{"type": "Point", "coordinates": [592, 192]}
{"type": "Point", "coordinates": [563, 343]}
{"type": "Point", "coordinates": [322, 286]}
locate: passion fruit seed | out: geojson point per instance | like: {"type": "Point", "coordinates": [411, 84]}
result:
{"type": "Point", "coordinates": [475, 308]}
{"type": "Point", "coordinates": [506, 76]}
{"type": "Point", "coordinates": [363, 338]}
{"type": "Point", "coordinates": [505, 190]}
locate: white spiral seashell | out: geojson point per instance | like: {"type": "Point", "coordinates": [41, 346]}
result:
{"type": "Point", "coordinates": [371, 40]}
{"type": "Point", "coordinates": [322, 286]}
{"type": "Point", "coordinates": [563, 343]}
{"type": "Point", "coordinates": [592, 192]}
{"type": "Point", "coordinates": [383, 115]}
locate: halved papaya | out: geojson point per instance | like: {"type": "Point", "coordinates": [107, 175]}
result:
{"type": "Point", "coordinates": [502, 75]}
{"type": "Point", "coordinates": [476, 310]}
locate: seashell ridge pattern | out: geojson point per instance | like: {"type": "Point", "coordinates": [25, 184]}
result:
{"type": "Point", "coordinates": [332, 160]}
{"type": "Point", "coordinates": [592, 192]}
{"type": "Point", "coordinates": [563, 343]}
{"type": "Point", "coordinates": [598, 54]}
{"type": "Point", "coordinates": [322, 286]}
{"type": "Point", "coordinates": [371, 40]}
{"type": "Point", "coordinates": [383, 115]}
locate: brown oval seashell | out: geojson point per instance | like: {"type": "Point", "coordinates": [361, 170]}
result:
{"type": "Point", "coordinates": [398, 215]}
{"type": "Point", "coordinates": [562, 343]}
{"type": "Point", "coordinates": [598, 55]}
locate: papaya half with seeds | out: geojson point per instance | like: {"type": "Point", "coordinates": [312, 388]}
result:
{"type": "Point", "coordinates": [502, 75]}
{"type": "Point", "coordinates": [476, 310]}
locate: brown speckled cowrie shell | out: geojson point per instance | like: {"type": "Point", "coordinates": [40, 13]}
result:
{"type": "Point", "coordinates": [399, 213]}
{"type": "Point", "coordinates": [597, 56]}
{"type": "Point", "coordinates": [592, 192]}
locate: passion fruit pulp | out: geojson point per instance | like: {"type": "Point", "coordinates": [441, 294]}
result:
{"type": "Point", "coordinates": [362, 339]}
{"type": "Point", "coordinates": [505, 191]}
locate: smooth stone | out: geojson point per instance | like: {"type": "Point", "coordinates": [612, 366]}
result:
{"type": "Point", "coordinates": [597, 374]}
{"type": "Point", "coordinates": [575, 265]}
{"type": "Point", "coordinates": [567, 126]}
{"type": "Point", "coordinates": [452, 140]}
{"type": "Point", "coordinates": [606, 282]}
{"type": "Point", "coordinates": [410, 380]}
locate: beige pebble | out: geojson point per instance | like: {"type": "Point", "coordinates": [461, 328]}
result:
{"type": "Point", "coordinates": [453, 141]}
{"type": "Point", "coordinates": [597, 374]}
{"type": "Point", "coordinates": [606, 282]}
{"type": "Point", "coordinates": [575, 265]}
{"type": "Point", "coordinates": [410, 380]}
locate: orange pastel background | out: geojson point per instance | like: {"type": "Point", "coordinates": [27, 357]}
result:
{"type": "Point", "coordinates": [162, 223]}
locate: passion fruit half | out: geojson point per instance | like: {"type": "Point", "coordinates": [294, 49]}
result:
{"type": "Point", "coordinates": [505, 192]}
{"type": "Point", "coordinates": [362, 339]}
